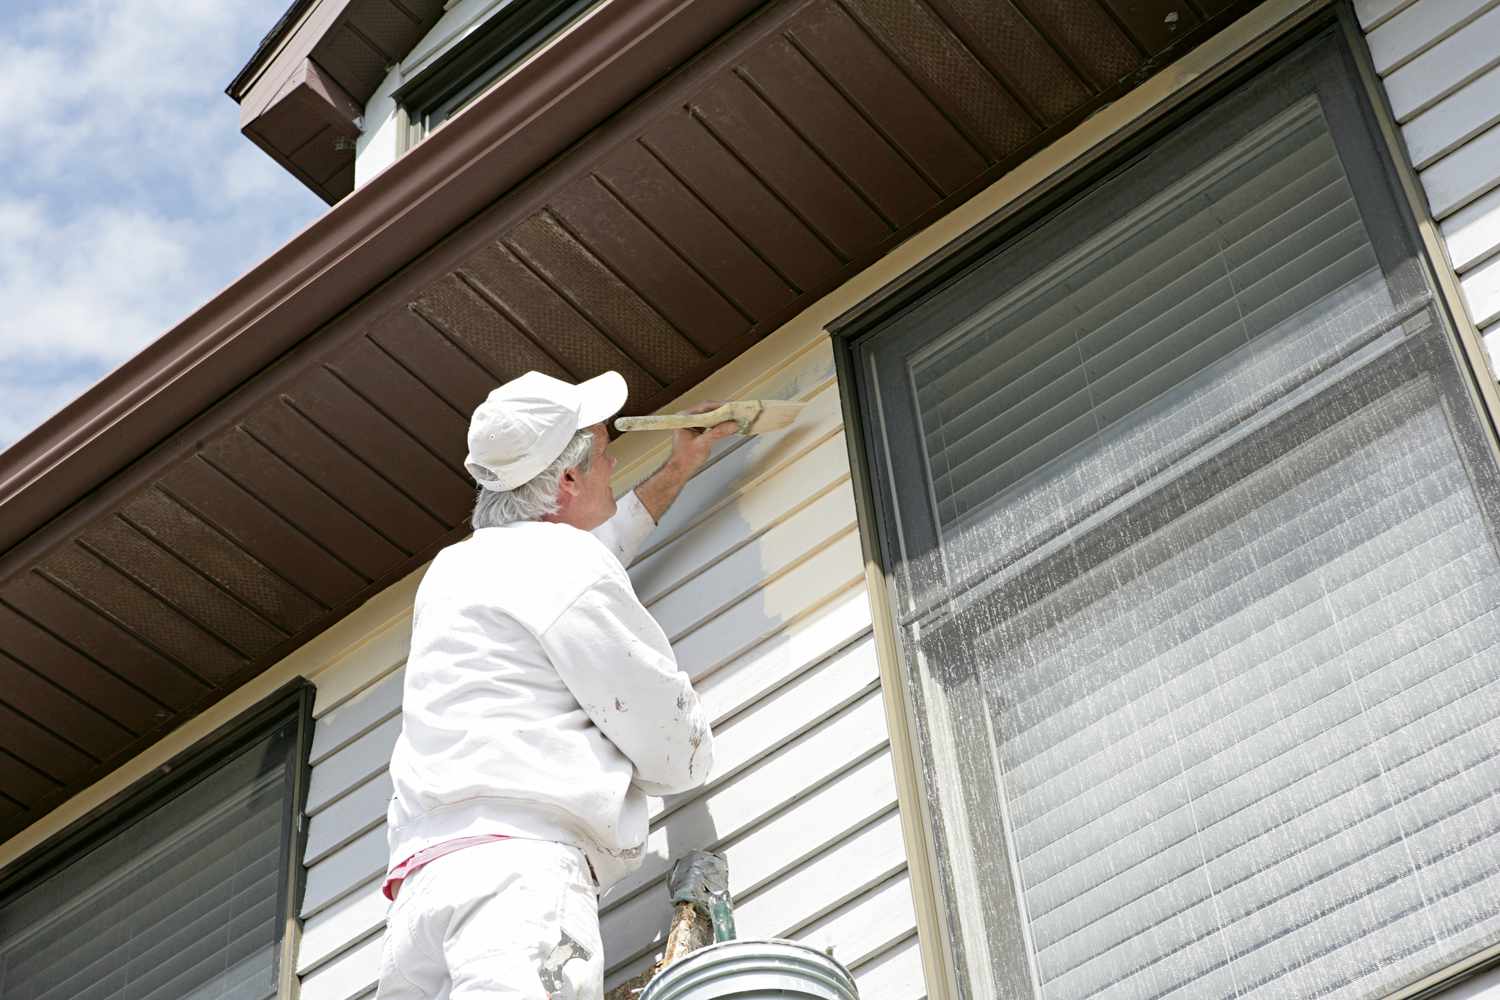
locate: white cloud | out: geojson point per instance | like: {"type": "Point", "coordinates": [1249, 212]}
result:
{"type": "Point", "coordinates": [93, 287]}
{"type": "Point", "coordinates": [129, 197]}
{"type": "Point", "coordinates": [22, 398]}
{"type": "Point", "coordinates": [19, 222]}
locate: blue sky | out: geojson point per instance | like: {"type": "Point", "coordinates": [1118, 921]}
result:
{"type": "Point", "coordinates": [128, 196]}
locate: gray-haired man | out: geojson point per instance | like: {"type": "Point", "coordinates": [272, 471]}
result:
{"type": "Point", "coordinates": [542, 705]}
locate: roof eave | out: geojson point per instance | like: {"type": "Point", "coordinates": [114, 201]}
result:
{"type": "Point", "coordinates": [272, 40]}
{"type": "Point", "coordinates": [549, 103]}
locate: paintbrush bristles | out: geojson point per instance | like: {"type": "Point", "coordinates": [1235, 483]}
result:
{"type": "Point", "coordinates": [775, 415]}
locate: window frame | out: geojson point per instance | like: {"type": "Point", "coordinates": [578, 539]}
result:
{"type": "Point", "coordinates": [292, 703]}
{"type": "Point", "coordinates": [456, 78]}
{"type": "Point", "coordinates": [1037, 195]}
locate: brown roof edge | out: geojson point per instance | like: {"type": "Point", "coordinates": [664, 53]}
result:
{"type": "Point", "coordinates": [236, 87]}
{"type": "Point", "coordinates": [548, 104]}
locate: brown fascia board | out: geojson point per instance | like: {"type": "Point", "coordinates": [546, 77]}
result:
{"type": "Point", "coordinates": [548, 104]}
{"type": "Point", "coordinates": [267, 44]}
{"type": "Point", "coordinates": [258, 83]}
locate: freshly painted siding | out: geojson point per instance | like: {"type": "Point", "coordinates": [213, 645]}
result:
{"type": "Point", "coordinates": [756, 575]}
{"type": "Point", "coordinates": [1440, 62]}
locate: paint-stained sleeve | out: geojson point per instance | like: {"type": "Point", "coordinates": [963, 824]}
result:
{"type": "Point", "coordinates": [616, 660]}
{"type": "Point", "coordinates": [627, 531]}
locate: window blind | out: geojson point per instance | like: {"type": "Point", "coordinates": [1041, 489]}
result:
{"type": "Point", "coordinates": [185, 902]}
{"type": "Point", "coordinates": [1261, 752]}
{"type": "Point", "coordinates": [1180, 307]}
{"type": "Point", "coordinates": [1208, 646]}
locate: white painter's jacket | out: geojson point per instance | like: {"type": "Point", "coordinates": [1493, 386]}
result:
{"type": "Point", "coordinates": [541, 698]}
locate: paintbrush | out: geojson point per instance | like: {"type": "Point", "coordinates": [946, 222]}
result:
{"type": "Point", "coordinates": [754, 416]}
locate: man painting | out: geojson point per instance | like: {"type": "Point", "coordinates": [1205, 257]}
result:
{"type": "Point", "coordinates": [542, 704]}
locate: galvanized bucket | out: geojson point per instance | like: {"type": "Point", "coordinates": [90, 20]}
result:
{"type": "Point", "coordinates": [754, 970]}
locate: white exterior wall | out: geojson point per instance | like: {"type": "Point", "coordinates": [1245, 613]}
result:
{"type": "Point", "coordinates": [1440, 62]}
{"type": "Point", "coordinates": [379, 143]}
{"type": "Point", "coordinates": [756, 575]}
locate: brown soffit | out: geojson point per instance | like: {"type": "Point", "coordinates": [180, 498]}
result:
{"type": "Point", "coordinates": [310, 128]}
{"type": "Point", "coordinates": [264, 49]}
{"type": "Point", "coordinates": [297, 445]}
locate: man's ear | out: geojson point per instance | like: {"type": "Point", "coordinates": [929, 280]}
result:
{"type": "Point", "coordinates": [570, 483]}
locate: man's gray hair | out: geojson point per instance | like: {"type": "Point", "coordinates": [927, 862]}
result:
{"type": "Point", "coordinates": [536, 498]}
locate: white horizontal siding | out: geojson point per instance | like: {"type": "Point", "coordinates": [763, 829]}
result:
{"type": "Point", "coordinates": [1491, 335]}
{"type": "Point", "coordinates": [1453, 121]}
{"type": "Point", "coordinates": [866, 926]}
{"type": "Point", "coordinates": [1428, 76]}
{"type": "Point", "coordinates": [1473, 232]}
{"type": "Point", "coordinates": [347, 818]}
{"type": "Point", "coordinates": [1440, 63]}
{"type": "Point", "coordinates": [1469, 172]}
{"type": "Point", "coordinates": [341, 872]}
{"type": "Point", "coordinates": [894, 975]}
{"type": "Point", "coordinates": [352, 919]}
{"type": "Point", "coordinates": [351, 975]}
{"type": "Point", "coordinates": [342, 909]}
{"type": "Point", "coordinates": [1372, 13]}
{"type": "Point", "coordinates": [1419, 27]}
{"type": "Point", "coordinates": [343, 725]}
{"type": "Point", "coordinates": [1482, 291]}
{"type": "Point", "coordinates": [350, 767]}
{"type": "Point", "coordinates": [756, 575]}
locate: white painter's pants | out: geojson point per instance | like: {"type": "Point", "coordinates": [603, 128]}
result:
{"type": "Point", "coordinates": [510, 920]}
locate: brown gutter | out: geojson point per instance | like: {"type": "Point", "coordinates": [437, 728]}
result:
{"type": "Point", "coordinates": [548, 104]}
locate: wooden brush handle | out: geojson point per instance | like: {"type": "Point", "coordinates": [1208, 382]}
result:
{"type": "Point", "coordinates": [666, 422]}
{"type": "Point", "coordinates": [743, 413]}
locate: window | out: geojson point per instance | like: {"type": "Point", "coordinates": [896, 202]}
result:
{"type": "Point", "coordinates": [517, 29]}
{"type": "Point", "coordinates": [1190, 520]}
{"type": "Point", "coordinates": [181, 893]}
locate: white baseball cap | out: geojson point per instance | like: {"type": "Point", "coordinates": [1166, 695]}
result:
{"type": "Point", "coordinates": [523, 426]}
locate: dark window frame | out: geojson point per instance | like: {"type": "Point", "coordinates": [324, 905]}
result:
{"type": "Point", "coordinates": [292, 703]}
{"type": "Point", "coordinates": [457, 77]}
{"type": "Point", "coordinates": [853, 331]}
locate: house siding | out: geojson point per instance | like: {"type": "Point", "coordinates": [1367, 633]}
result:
{"type": "Point", "coordinates": [1440, 63]}
{"type": "Point", "coordinates": [756, 575]}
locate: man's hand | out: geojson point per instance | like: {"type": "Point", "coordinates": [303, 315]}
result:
{"type": "Point", "coordinates": [691, 445]}
{"type": "Point", "coordinates": [690, 449]}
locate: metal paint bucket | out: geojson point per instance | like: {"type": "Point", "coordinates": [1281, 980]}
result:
{"type": "Point", "coordinates": [754, 970]}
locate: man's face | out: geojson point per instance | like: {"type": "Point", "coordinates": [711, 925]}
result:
{"type": "Point", "coordinates": [591, 502]}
